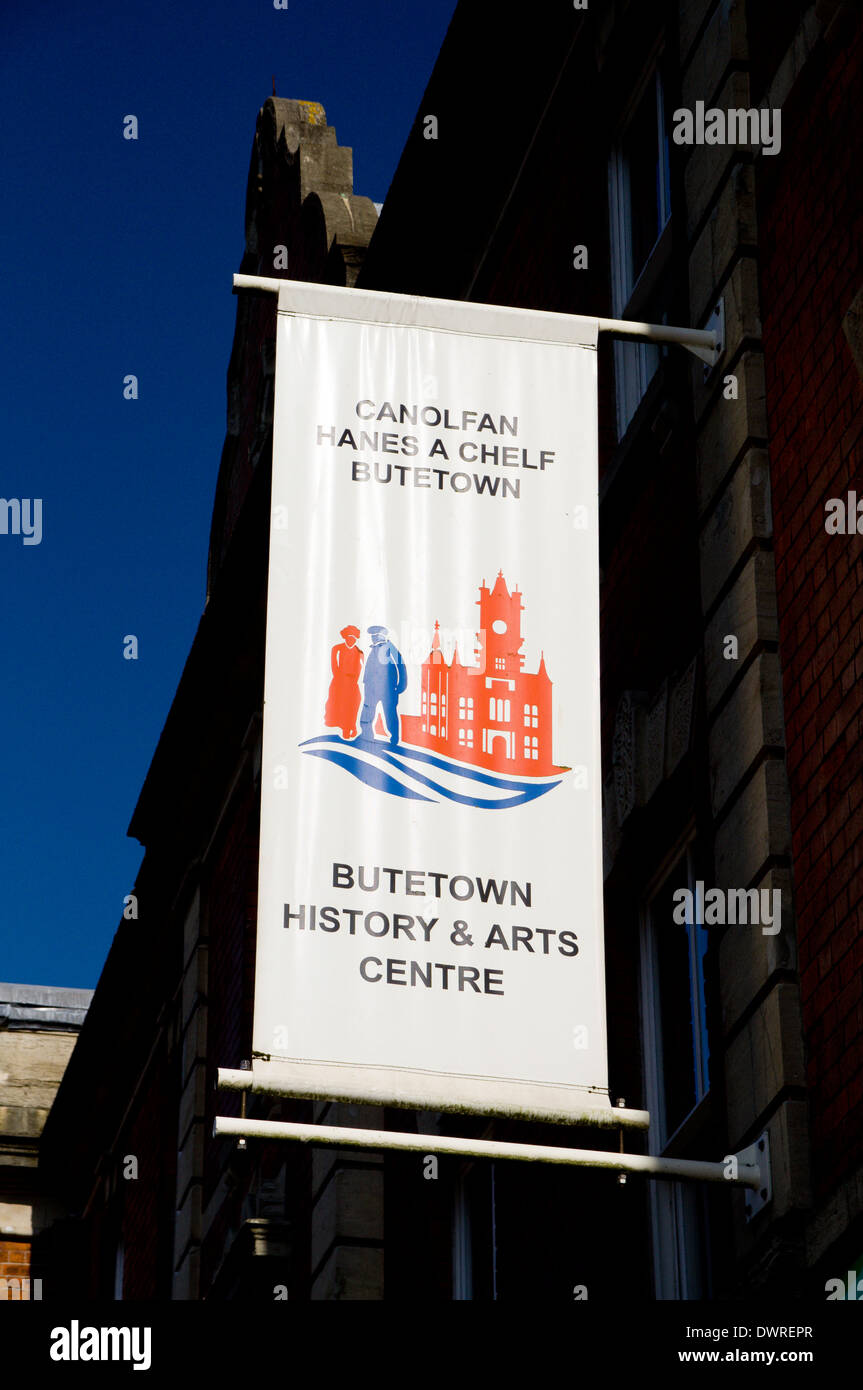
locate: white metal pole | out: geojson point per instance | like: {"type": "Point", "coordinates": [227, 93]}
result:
{"type": "Point", "coordinates": [266, 284]}
{"type": "Point", "coordinates": [704, 338]}
{"type": "Point", "coordinates": [403, 1092]}
{"type": "Point", "coordinates": [748, 1174]}
{"type": "Point", "coordinates": [661, 333]}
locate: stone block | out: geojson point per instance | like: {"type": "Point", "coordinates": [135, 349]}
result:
{"type": "Point", "coordinates": [747, 957]}
{"type": "Point", "coordinates": [350, 1206]}
{"type": "Point", "coordinates": [187, 1277]}
{"type": "Point", "coordinates": [194, 1046]}
{"type": "Point", "coordinates": [764, 1057]}
{"type": "Point", "coordinates": [351, 1117]}
{"type": "Point", "coordinates": [192, 927]}
{"type": "Point", "coordinates": [750, 721]}
{"type": "Point", "coordinates": [747, 612]}
{"type": "Point", "coordinates": [755, 829]}
{"type": "Point", "coordinates": [16, 1219]}
{"type": "Point", "coordinates": [728, 427]}
{"type": "Point", "coordinates": [194, 983]}
{"type": "Point", "coordinates": [187, 1222]}
{"type": "Point", "coordinates": [32, 1065]}
{"type": "Point", "coordinates": [192, 1101]}
{"type": "Point", "coordinates": [788, 1130]}
{"type": "Point", "coordinates": [722, 42]}
{"type": "Point", "coordinates": [742, 514]}
{"type": "Point", "coordinates": [789, 1155]}
{"type": "Point", "coordinates": [732, 223]}
{"type": "Point", "coordinates": [323, 1163]}
{"type": "Point", "coordinates": [708, 167]}
{"type": "Point", "coordinates": [740, 294]}
{"type": "Point", "coordinates": [350, 1272]}
{"type": "Point", "coordinates": [22, 1121]}
{"type": "Point", "coordinates": [691, 16]}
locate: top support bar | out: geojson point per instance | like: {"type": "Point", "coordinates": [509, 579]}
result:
{"type": "Point", "coordinates": [706, 342]}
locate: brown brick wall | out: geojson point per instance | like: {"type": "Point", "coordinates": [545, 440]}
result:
{"type": "Point", "coordinates": [14, 1264]}
{"type": "Point", "coordinates": [811, 223]}
{"type": "Point", "coordinates": [14, 1260]}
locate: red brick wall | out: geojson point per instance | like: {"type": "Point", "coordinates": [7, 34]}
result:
{"type": "Point", "coordinates": [811, 229]}
{"type": "Point", "coordinates": [14, 1261]}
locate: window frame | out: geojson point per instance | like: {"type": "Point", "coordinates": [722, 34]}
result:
{"type": "Point", "coordinates": [651, 1021]}
{"type": "Point", "coordinates": [680, 1235]}
{"type": "Point", "coordinates": [636, 363]}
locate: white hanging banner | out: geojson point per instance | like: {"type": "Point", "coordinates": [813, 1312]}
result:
{"type": "Point", "coordinates": [430, 892]}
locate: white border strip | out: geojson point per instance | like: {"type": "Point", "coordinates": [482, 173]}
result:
{"type": "Point", "coordinates": [490, 320]}
{"type": "Point", "coordinates": [414, 311]}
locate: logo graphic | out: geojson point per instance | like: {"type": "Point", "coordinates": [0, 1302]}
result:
{"type": "Point", "coordinates": [483, 736]}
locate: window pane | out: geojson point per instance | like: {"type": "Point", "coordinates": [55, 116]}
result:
{"type": "Point", "coordinates": [699, 1002]}
{"type": "Point", "coordinates": [675, 1005]}
{"type": "Point", "coordinates": [640, 149]}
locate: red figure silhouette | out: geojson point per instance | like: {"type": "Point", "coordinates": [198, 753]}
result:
{"type": "Point", "coordinates": [344, 698]}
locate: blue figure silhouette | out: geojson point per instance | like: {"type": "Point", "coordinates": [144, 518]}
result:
{"type": "Point", "coordinates": [384, 680]}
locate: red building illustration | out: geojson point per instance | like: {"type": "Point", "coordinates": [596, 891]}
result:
{"type": "Point", "coordinates": [493, 714]}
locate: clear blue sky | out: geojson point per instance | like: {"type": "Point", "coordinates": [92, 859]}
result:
{"type": "Point", "coordinates": [117, 258]}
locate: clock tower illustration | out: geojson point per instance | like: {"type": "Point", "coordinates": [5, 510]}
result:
{"type": "Point", "coordinates": [493, 714]}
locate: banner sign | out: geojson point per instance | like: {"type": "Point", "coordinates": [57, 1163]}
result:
{"type": "Point", "coordinates": [430, 895]}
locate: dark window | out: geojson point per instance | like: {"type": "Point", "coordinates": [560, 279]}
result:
{"type": "Point", "coordinates": [677, 1073]}
{"type": "Point", "coordinates": [639, 187]}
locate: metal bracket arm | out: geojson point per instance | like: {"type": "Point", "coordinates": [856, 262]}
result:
{"type": "Point", "coordinates": [748, 1173]}
{"type": "Point", "coordinates": [706, 343]}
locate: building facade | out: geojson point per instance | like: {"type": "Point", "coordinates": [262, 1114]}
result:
{"type": "Point", "coordinates": [730, 688]}
{"type": "Point", "coordinates": [39, 1026]}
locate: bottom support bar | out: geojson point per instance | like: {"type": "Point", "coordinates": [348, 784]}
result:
{"type": "Point", "coordinates": [748, 1174]}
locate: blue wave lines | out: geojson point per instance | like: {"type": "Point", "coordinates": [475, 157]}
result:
{"type": "Point", "coordinates": [418, 775]}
